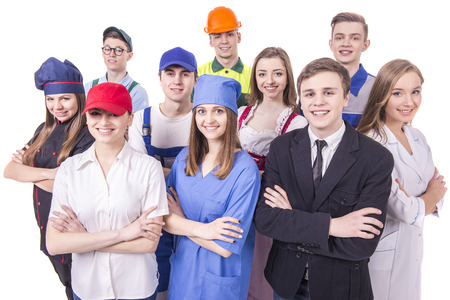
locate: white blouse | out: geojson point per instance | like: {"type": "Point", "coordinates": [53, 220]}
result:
{"type": "Point", "coordinates": [134, 183]}
{"type": "Point", "coordinates": [259, 142]}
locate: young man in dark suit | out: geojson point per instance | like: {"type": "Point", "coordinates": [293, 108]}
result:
{"type": "Point", "coordinates": [323, 196]}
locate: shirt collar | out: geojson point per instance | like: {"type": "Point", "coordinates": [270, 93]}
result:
{"type": "Point", "coordinates": [332, 140]}
{"type": "Point", "coordinates": [392, 139]}
{"type": "Point", "coordinates": [123, 157]}
{"type": "Point", "coordinates": [238, 67]}
{"type": "Point", "coordinates": [358, 80]}
{"type": "Point", "coordinates": [126, 80]}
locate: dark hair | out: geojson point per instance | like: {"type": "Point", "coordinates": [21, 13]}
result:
{"type": "Point", "coordinates": [350, 17]}
{"type": "Point", "coordinates": [195, 71]}
{"type": "Point", "coordinates": [325, 65]}
{"type": "Point", "coordinates": [289, 93]}
{"type": "Point", "coordinates": [375, 112]}
{"type": "Point", "coordinates": [115, 35]}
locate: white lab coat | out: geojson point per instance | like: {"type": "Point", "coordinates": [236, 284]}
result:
{"type": "Point", "coordinates": [395, 267]}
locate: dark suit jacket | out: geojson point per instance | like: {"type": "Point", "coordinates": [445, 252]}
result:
{"type": "Point", "coordinates": [358, 176]}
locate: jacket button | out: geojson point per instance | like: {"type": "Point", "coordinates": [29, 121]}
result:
{"type": "Point", "coordinates": [38, 150]}
{"type": "Point", "coordinates": [42, 227]}
{"type": "Point", "coordinates": [344, 201]}
{"type": "Point", "coordinates": [39, 203]}
{"type": "Point", "coordinates": [298, 255]}
{"type": "Point", "coordinates": [54, 153]}
{"type": "Point", "coordinates": [356, 266]}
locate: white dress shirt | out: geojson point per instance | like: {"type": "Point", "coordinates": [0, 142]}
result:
{"type": "Point", "coordinates": [329, 150]}
{"type": "Point", "coordinates": [134, 183]}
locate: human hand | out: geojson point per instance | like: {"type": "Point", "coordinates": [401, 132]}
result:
{"type": "Point", "coordinates": [436, 186]}
{"type": "Point", "coordinates": [435, 192]}
{"type": "Point", "coordinates": [143, 226]}
{"type": "Point", "coordinates": [174, 203]}
{"type": "Point", "coordinates": [220, 228]}
{"type": "Point", "coordinates": [18, 156]}
{"type": "Point", "coordinates": [400, 186]}
{"type": "Point", "coordinates": [67, 222]}
{"type": "Point", "coordinates": [277, 198]}
{"type": "Point", "coordinates": [356, 224]}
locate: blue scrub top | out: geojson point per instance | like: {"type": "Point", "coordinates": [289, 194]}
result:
{"type": "Point", "coordinates": [198, 273]}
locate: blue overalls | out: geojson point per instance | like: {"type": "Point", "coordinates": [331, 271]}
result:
{"type": "Point", "coordinates": [165, 246]}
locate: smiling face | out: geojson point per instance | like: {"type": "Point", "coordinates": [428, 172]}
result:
{"type": "Point", "coordinates": [322, 101]}
{"type": "Point", "coordinates": [271, 78]}
{"type": "Point", "coordinates": [177, 83]}
{"type": "Point", "coordinates": [113, 62]}
{"type": "Point", "coordinates": [106, 127]}
{"type": "Point", "coordinates": [225, 44]}
{"type": "Point", "coordinates": [211, 120]}
{"type": "Point", "coordinates": [62, 106]}
{"type": "Point", "coordinates": [404, 101]}
{"type": "Point", "coordinates": [348, 41]}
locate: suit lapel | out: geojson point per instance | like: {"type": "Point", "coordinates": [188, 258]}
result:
{"type": "Point", "coordinates": [301, 157]}
{"type": "Point", "coordinates": [342, 160]}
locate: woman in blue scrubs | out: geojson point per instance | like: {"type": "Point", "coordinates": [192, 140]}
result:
{"type": "Point", "coordinates": [214, 188]}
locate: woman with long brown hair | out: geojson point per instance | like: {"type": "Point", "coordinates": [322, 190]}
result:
{"type": "Point", "coordinates": [417, 188]}
{"type": "Point", "coordinates": [272, 110]}
{"type": "Point", "coordinates": [217, 185]}
{"type": "Point", "coordinates": [63, 134]}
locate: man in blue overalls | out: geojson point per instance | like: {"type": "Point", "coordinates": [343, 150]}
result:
{"type": "Point", "coordinates": [163, 131]}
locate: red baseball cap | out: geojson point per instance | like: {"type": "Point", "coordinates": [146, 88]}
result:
{"type": "Point", "coordinates": [109, 96]}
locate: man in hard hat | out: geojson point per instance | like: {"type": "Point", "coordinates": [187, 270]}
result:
{"type": "Point", "coordinates": [117, 51]}
{"type": "Point", "coordinates": [224, 37]}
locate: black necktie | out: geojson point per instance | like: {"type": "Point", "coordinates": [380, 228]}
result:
{"type": "Point", "coordinates": [317, 166]}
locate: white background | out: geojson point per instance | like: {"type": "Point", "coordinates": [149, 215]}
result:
{"type": "Point", "coordinates": [32, 31]}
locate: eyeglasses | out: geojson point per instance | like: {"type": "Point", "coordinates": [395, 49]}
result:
{"type": "Point", "coordinates": [117, 51]}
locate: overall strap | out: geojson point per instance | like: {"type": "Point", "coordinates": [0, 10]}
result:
{"type": "Point", "coordinates": [158, 153]}
{"type": "Point", "coordinates": [244, 115]}
{"type": "Point", "coordinates": [288, 122]}
{"type": "Point", "coordinates": [146, 133]}
{"type": "Point", "coordinates": [133, 84]}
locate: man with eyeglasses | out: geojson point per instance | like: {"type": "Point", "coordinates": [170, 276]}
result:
{"type": "Point", "coordinates": [117, 51]}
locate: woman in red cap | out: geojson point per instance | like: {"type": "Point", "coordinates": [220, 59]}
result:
{"type": "Point", "coordinates": [107, 206]}
{"type": "Point", "coordinates": [62, 135]}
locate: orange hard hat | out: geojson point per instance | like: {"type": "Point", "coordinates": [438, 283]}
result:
{"type": "Point", "coordinates": [221, 19]}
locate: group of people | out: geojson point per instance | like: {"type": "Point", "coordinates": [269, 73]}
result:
{"type": "Point", "coordinates": [242, 183]}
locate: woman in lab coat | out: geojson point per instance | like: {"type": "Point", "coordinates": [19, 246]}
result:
{"type": "Point", "coordinates": [417, 187]}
